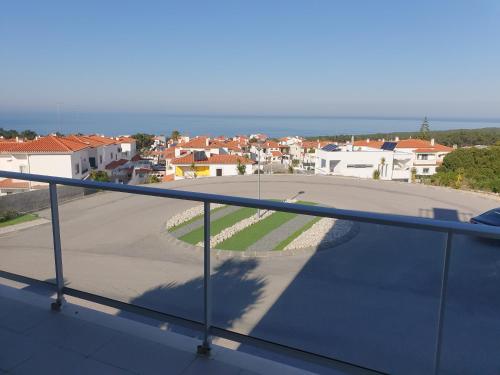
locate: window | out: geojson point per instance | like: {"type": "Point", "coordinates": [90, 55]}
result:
{"type": "Point", "coordinates": [423, 157]}
{"type": "Point", "coordinates": [111, 155]}
{"type": "Point", "coordinates": [323, 163]}
{"type": "Point", "coordinates": [23, 168]}
{"type": "Point", "coordinates": [359, 165]}
{"type": "Point", "coordinates": [425, 170]}
{"type": "Point", "coordinates": [77, 168]}
{"type": "Point", "coordinates": [218, 172]}
{"type": "Point", "coordinates": [100, 159]}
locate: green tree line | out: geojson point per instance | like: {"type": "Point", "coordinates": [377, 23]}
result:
{"type": "Point", "coordinates": [459, 137]}
{"type": "Point", "coordinates": [11, 133]}
{"type": "Point", "coordinates": [475, 168]}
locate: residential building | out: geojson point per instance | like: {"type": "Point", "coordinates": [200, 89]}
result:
{"type": "Point", "coordinates": [353, 162]}
{"type": "Point", "coordinates": [55, 156]}
{"type": "Point", "coordinates": [201, 164]}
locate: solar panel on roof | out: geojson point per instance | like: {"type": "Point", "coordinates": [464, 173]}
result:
{"type": "Point", "coordinates": [389, 146]}
{"type": "Point", "coordinates": [330, 147]}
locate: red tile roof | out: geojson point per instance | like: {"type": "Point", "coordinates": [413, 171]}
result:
{"type": "Point", "coordinates": [11, 184]}
{"type": "Point", "coordinates": [271, 144]}
{"type": "Point", "coordinates": [126, 140]}
{"type": "Point", "coordinates": [422, 144]}
{"type": "Point", "coordinates": [214, 159]}
{"type": "Point", "coordinates": [198, 142]}
{"type": "Point", "coordinates": [372, 144]}
{"type": "Point", "coordinates": [116, 163]}
{"type": "Point", "coordinates": [136, 157]}
{"type": "Point", "coordinates": [276, 153]}
{"type": "Point", "coordinates": [50, 144]}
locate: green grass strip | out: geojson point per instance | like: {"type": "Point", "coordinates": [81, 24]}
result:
{"type": "Point", "coordinates": [193, 219]}
{"type": "Point", "coordinates": [219, 225]}
{"type": "Point", "coordinates": [19, 220]}
{"type": "Point", "coordinates": [295, 234]}
{"type": "Point", "coordinates": [243, 239]}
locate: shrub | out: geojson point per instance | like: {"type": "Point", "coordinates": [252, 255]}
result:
{"type": "Point", "coordinates": [376, 174]}
{"type": "Point", "coordinates": [8, 215]}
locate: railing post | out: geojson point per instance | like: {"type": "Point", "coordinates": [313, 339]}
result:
{"type": "Point", "coordinates": [205, 347]}
{"type": "Point", "coordinates": [56, 240]}
{"type": "Point", "coordinates": [442, 302]}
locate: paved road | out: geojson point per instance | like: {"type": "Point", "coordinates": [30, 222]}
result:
{"type": "Point", "coordinates": [372, 300]}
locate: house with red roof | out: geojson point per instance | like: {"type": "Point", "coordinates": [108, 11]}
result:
{"type": "Point", "coordinates": [51, 155]}
{"type": "Point", "coordinates": [202, 164]}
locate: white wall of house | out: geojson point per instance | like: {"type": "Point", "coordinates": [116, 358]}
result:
{"type": "Point", "coordinates": [128, 150]}
{"type": "Point", "coordinates": [106, 154]}
{"type": "Point", "coordinates": [228, 169]}
{"type": "Point", "coordinates": [360, 164]}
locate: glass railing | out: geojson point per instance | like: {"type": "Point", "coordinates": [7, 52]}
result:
{"type": "Point", "coordinates": [388, 293]}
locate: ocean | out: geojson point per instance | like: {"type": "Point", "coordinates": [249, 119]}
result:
{"type": "Point", "coordinates": [274, 126]}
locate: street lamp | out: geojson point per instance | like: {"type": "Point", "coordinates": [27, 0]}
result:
{"type": "Point", "coordinates": [258, 171]}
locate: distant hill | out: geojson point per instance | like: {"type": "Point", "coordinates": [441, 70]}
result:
{"type": "Point", "coordinates": [460, 137]}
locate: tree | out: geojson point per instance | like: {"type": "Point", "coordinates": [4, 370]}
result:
{"type": "Point", "coordinates": [413, 174]}
{"type": "Point", "coordinates": [152, 179]}
{"type": "Point", "coordinates": [295, 162]}
{"type": "Point", "coordinates": [253, 140]}
{"type": "Point", "coordinates": [28, 134]}
{"type": "Point", "coordinates": [242, 168]}
{"type": "Point", "coordinates": [175, 135]}
{"type": "Point", "coordinates": [376, 174]}
{"type": "Point", "coordinates": [424, 129]}
{"type": "Point", "coordinates": [99, 176]}
{"type": "Point", "coordinates": [193, 169]}
{"type": "Point", "coordinates": [290, 169]}
{"type": "Point", "coordinates": [143, 140]}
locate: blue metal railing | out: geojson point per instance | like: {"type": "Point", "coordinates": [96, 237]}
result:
{"type": "Point", "coordinates": [447, 227]}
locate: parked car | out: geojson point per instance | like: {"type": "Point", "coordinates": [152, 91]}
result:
{"type": "Point", "coordinates": [491, 217]}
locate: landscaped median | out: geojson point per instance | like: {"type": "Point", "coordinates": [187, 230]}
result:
{"type": "Point", "coordinates": [243, 229]}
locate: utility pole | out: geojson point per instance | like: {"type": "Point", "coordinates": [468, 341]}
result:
{"type": "Point", "coordinates": [258, 173]}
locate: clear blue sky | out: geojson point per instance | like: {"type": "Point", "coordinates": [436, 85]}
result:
{"type": "Point", "coordinates": [390, 58]}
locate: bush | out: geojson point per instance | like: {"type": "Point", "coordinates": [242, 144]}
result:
{"type": "Point", "coordinates": [8, 215]}
{"type": "Point", "coordinates": [99, 176]}
{"type": "Point", "coordinates": [473, 168]}
{"type": "Point", "coordinates": [376, 174]}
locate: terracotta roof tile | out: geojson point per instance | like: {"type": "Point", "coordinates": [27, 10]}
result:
{"type": "Point", "coordinates": [50, 144]}
{"type": "Point", "coordinates": [214, 159]}
{"type": "Point", "coordinates": [116, 163]}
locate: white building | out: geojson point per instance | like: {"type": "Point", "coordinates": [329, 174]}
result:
{"type": "Point", "coordinates": [54, 156]}
{"type": "Point", "coordinates": [200, 164]}
{"type": "Point", "coordinates": [391, 165]}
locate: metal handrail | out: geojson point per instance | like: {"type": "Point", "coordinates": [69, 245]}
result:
{"type": "Point", "coordinates": [361, 216]}
{"type": "Point", "coordinates": [449, 228]}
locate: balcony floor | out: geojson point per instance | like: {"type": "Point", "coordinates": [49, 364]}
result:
{"type": "Point", "coordinates": [79, 340]}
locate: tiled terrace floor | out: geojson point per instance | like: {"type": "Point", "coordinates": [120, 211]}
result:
{"type": "Point", "coordinates": [79, 340]}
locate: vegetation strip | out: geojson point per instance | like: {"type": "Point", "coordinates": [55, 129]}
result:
{"type": "Point", "coordinates": [295, 234]}
{"type": "Point", "coordinates": [218, 225]}
{"type": "Point", "coordinates": [18, 220]}
{"type": "Point", "coordinates": [245, 238]}
{"type": "Point", "coordinates": [193, 219]}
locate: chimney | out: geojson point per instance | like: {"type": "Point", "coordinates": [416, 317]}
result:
{"type": "Point", "coordinates": [396, 139]}
{"type": "Point", "coordinates": [367, 140]}
{"type": "Point", "coordinates": [319, 144]}
{"type": "Point", "coordinates": [352, 139]}
{"type": "Point", "coordinates": [17, 139]}
{"type": "Point", "coordinates": [432, 142]}
{"type": "Point", "coordinates": [207, 141]}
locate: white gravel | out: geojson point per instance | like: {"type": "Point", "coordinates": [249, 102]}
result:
{"type": "Point", "coordinates": [325, 231]}
{"type": "Point", "coordinates": [188, 215]}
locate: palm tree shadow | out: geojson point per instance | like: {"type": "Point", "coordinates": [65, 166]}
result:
{"type": "Point", "coordinates": [234, 291]}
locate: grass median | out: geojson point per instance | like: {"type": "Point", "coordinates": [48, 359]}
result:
{"type": "Point", "coordinates": [219, 225]}
{"type": "Point", "coordinates": [193, 219]}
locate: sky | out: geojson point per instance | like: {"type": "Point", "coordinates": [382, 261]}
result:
{"type": "Point", "coordinates": [318, 58]}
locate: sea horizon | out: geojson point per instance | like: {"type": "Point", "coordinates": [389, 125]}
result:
{"type": "Point", "coordinates": [119, 123]}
